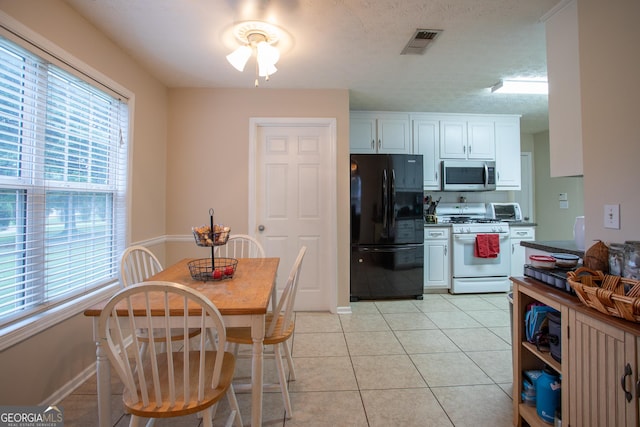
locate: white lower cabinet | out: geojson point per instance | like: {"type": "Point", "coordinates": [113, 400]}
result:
{"type": "Point", "coordinates": [437, 270]}
{"type": "Point", "coordinates": [518, 255]}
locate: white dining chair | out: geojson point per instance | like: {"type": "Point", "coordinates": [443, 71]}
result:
{"type": "Point", "coordinates": [137, 264]}
{"type": "Point", "coordinates": [280, 326]}
{"type": "Point", "coordinates": [240, 246]}
{"type": "Point", "coordinates": [174, 383]}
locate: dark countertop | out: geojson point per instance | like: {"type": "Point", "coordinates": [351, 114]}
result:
{"type": "Point", "coordinates": [554, 246]}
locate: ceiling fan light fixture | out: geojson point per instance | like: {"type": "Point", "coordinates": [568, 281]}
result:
{"type": "Point", "coordinates": [239, 57]}
{"type": "Point", "coordinates": [258, 37]}
{"type": "Point", "coordinates": [534, 87]}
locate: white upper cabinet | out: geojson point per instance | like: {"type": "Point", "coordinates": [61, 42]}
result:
{"type": "Point", "coordinates": [565, 105]}
{"type": "Point", "coordinates": [467, 139]}
{"type": "Point", "coordinates": [379, 132]}
{"type": "Point", "coordinates": [440, 136]}
{"type": "Point", "coordinates": [481, 139]}
{"type": "Point", "coordinates": [426, 141]}
{"type": "Point", "coordinates": [453, 139]}
{"type": "Point", "coordinates": [508, 173]}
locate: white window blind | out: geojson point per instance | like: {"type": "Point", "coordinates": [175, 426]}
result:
{"type": "Point", "coordinates": [63, 160]}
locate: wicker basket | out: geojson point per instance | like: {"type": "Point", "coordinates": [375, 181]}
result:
{"type": "Point", "coordinates": [613, 295]}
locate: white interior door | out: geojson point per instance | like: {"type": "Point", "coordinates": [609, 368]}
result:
{"type": "Point", "coordinates": [294, 203]}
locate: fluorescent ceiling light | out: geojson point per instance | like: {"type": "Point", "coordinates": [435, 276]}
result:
{"type": "Point", "coordinates": [536, 87]}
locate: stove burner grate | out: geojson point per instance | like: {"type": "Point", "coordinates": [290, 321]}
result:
{"type": "Point", "coordinates": [460, 219]}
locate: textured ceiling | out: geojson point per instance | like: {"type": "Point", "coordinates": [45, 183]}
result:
{"type": "Point", "coordinates": [352, 44]}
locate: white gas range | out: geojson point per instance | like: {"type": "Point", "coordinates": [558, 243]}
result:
{"type": "Point", "coordinates": [473, 270]}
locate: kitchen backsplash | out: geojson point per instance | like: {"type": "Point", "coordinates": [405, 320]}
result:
{"type": "Point", "coordinates": [471, 196]}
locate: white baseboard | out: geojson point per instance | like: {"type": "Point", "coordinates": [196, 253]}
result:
{"type": "Point", "coordinates": [71, 386]}
{"type": "Point", "coordinates": [344, 310]}
{"type": "Point", "coordinates": [76, 382]}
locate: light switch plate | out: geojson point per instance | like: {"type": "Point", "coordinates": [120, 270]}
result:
{"type": "Point", "coordinates": [612, 216]}
{"type": "Point", "coordinates": [562, 197]}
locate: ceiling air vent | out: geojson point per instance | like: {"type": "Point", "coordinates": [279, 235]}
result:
{"type": "Point", "coordinates": [419, 42]}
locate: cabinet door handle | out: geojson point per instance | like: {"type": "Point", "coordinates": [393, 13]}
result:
{"type": "Point", "coordinates": [373, 144]}
{"type": "Point", "coordinates": [627, 373]}
{"type": "Point", "coordinates": [379, 144]}
{"type": "Point", "coordinates": [445, 254]}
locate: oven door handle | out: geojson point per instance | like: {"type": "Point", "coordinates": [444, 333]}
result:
{"type": "Point", "coordinates": [472, 237]}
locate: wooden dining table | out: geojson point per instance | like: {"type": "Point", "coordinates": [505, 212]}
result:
{"type": "Point", "coordinates": [242, 300]}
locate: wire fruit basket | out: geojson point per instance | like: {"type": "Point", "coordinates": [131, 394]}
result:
{"type": "Point", "coordinates": [213, 268]}
{"type": "Point", "coordinates": [221, 268]}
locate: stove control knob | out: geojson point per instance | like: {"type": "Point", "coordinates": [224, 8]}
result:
{"type": "Point", "coordinates": [468, 230]}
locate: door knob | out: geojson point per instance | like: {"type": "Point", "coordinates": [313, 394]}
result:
{"type": "Point", "coordinates": [261, 227]}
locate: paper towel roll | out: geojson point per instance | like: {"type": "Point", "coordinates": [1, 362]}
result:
{"type": "Point", "coordinates": [578, 232]}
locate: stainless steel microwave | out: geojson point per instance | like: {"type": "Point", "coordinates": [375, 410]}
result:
{"type": "Point", "coordinates": [468, 175]}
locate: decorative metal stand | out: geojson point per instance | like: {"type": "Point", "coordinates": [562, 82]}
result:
{"type": "Point", "coordinates": [213, 268]}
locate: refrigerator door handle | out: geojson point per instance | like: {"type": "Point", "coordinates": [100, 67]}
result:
{"type": "Point", "coordinates": [385, 202]}
{"type": "Point", "coordinates": [392, 200]}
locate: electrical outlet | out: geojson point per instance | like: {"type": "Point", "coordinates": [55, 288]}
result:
{"type": "Point", "coordinates": [612, 216]}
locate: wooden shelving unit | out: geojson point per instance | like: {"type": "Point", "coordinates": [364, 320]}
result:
{"type": "Point", "coordinates": [587, 338]}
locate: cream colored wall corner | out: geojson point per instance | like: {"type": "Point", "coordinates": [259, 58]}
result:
{"type": "Point", "coordinates": [554, 223]}
{"type": "Point", "coordinates": [41, 366]}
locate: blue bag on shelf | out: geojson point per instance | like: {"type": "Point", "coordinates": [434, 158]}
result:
{"type": "Point", "coordinates": [535, 320]}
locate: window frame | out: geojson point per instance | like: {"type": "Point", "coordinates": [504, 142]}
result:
{"type": "Point", "coordinates": [51, 314]}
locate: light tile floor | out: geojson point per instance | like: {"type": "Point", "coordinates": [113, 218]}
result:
{"type": "Point", "coordinates": [441, 361]}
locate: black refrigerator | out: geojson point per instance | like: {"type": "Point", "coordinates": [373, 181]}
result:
{"type": "Point", "coordinates": [387, 226]}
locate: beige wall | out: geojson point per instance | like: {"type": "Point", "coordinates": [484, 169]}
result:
{"type": "Point", "coordinates": [610, 66]}
{"type": "Point", "coordinates": [209, 151]}
{"type": "Point", "coordinates": [554, 223]}
{"type": "Point", "coordinates": [37, 368]}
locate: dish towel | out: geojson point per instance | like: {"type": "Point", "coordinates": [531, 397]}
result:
{"type": "Point", "coordinates": [487, 246]}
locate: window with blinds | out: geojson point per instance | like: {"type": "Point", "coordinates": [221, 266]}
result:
{"type": "Point", "coordinates": [63, 160]}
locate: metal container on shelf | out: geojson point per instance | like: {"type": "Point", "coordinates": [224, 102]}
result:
{"type": "Point", "coordinates": [632, 260]}
{"type": "Point", "coordinates": [616, 259]}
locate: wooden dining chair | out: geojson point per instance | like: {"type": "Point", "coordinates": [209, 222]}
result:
{"type": "Point", "coordinates": [173, 383]}
{"type": "Point", "coordinates": [279, 329]}
{"type": "Point", "coordinates": [137, 264]}
{"type": "Point", "coordinates": [241, 246]}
